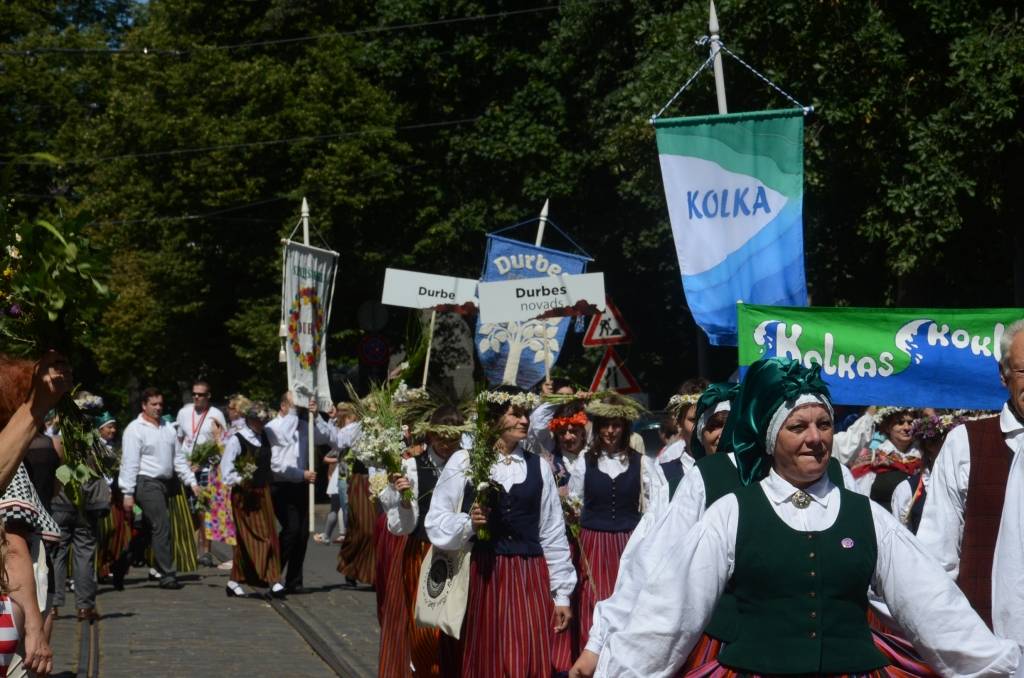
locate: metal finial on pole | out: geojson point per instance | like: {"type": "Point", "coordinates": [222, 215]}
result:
{"type": "Point", "coordinates": [305, 221]}
{"type": "Point", "coordinates": [716, 52]}
{"type": "Point", "coordinates": [543, 222]}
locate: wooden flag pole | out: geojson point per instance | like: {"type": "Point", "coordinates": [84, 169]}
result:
{"type": "Point", "coordinates": [310, 447]}
{"type": "Point", "coordinates": [430, 345]}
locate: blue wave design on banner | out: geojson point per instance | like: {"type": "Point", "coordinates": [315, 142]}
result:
{"type": "Point", "coordinates": [768, 269]}
{"type": "Point", "coordinates": [507, 259]}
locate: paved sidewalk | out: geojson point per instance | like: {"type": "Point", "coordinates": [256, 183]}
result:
{"type": "Point", "coordinates": [198, 631]}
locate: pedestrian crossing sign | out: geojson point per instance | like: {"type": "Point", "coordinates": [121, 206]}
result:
{"type": "Point", "coordinates": [607, 328]}
{"type": "Point", "coordinates": [613, 375]}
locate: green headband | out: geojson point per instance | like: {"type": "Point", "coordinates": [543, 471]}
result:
{"type": "Point", "coordinates": [712, 396]}
{"type": "Point", "coordinates": [767, 386]}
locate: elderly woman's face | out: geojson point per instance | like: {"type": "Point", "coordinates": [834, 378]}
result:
{"type": "Point", "coordinates": [804, 445]}
{"type": "Point", "coordinates": [712, 432]}
{"type": "Point", "coordinates": [572, 438]}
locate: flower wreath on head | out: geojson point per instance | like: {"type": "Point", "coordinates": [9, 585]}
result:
{"type": "Point", "coordinates": [561, 423]}
{"type": "Point", "coordinates": [447, 431]}
{"type": "Point", "coordinates": [935, 426]}
{"type": "Point", "coordinates": [882, 412]}
{"type": "Point", "coordinates": [306, 296]}
{"type": "Point", "coordinates": [527, 401]}
{"type": "Point", "coordinates": [677, 402]}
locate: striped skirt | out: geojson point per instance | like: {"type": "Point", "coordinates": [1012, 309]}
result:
{"type": "Point", "coordinates": [183, 535]}
{"type": "Point", "coordinates": [402, 641]}
{"type": "Point", "coordinates": [900, 653]}
{"type": "Point", "coordinates": [599, 566]}
{"type": "Point", "coordinates": [257, 553]}
{"type": "Point", "coordinates": [387, 549]}
{"type": "Point", "coordinates": [507, 630]}
{"type": "Point", "coordinates": [356, 557]}
{"type": "Point", "coordinates": [565, 647]}
{"type": "Point", "coordinates": [115, 535]}
{"type": "Point", "coordinates": [703, 663]}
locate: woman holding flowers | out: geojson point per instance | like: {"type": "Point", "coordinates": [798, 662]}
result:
{"type": "Point", "coordinates": [616, 486]}
{"type": "Point", "coordinates": [245, 468]}
{"type": "Point", "coordinates": [404, 643]}
{"type": "Point", "coordinates": [509, 515]}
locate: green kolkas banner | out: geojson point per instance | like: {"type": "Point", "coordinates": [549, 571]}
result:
{"type": "Point", "coordinates": [915, 357]}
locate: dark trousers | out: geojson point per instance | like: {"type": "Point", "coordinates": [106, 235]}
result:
{"type": "Point", "coordinates": [291, 508]}
{"type": "Point", "coordinates": [152, 496]}
{"type": "Point", "coordinates": [78, 534]}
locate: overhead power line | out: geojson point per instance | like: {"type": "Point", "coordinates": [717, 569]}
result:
{"type": "Point", "coordinates": [147, 51]}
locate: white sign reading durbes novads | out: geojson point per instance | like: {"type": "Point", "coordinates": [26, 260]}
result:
{"type": "Point", "coordinates": [426, 290]}
{"type": "Point", "coordinates": [550, 296]}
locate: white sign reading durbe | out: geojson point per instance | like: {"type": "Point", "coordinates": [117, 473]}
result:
{"type": "Point", "coordinates": [528, 298]}
{"type": "Point", "coordinates": [426, 290]}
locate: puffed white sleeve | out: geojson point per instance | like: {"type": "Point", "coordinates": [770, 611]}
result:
{"type": "Point", "coordinates": [181, 465]}
{"type": "Point", "coordinates": [656, 535]}
{"type": "Point", "coordinates": [849, 482]}
{"type": "Point", "coordinates": [655, 486]}
{"type": "Point", "coordinates": [931, 609]}
{"type": "Point", "coordinates": [672, 610]}
{"type": "Point", "coordinates": [402, 520]}
{"type": "Point", "coordinates": [538, 437]}
{"type": "Point", "coordinates": [447, 526]}
{"type": "Point", "coordinates": [577, 474]}
{"type": "Point", "coordinates": [561, 573]}
{"type": "Point", "coordinates": [900, 502]}
{"type": "Point", "coordinates": [131, 460]}
{"type": "Point", "coordinates": [942, 521]}
{"type": "Point", "coordinates": [846, 444]}
{"type": "Point", "coordinates": [232, 448]}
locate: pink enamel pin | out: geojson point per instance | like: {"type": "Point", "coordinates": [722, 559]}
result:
{"type": "Point", "coordinates": [846, 543]}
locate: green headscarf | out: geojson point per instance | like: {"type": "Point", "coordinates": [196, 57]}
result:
{"type": "Point", "coordinates": [770, 387]}
{"type": "Point", "coordinates": [713, 395]}
{"type": "Point", "coordinates": [103, 419]}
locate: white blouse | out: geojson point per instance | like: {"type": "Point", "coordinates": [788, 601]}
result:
{"type": "Point", "coordinates": [652, 479]}
{"type": "Point", "coordinates": [402, 520]}
{"type": "Point", "coordinates": [677, 450]}
{"type": "Point", "coordinates": [233, 448]}
{"type": "Point", "coordinates": [450, 529]}
{"type": "Point", "coordinates": [684, 586]}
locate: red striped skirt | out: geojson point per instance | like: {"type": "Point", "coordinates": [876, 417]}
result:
{"type": "Point", "coordinates": [900, 653]}
{"type": "Point", "coordinates": [387, 549]}
{"type": "Point", "coordinates": [356, 557]}
{"type": "Point", "coordinates": [703, 663]}
{"type": "Point", "coordinates": [257, 552]}
{"type": "Point", "coordinates": [402, 641]}
{"type": "Point", "coordinates": [599, 567]}
{"type": "Point", "coordinates": [507, 630]}
{"type": "Point", "coordinates": [8, 633]}
{"type": "Point", "coordinates": [115, 534]}
{"type": "Point", "coordinates": [565, 647]}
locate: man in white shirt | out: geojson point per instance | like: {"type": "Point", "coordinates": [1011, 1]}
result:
{"type": "Point", "coordinates": [973, 521]}
{"type": "Point", "coordinates": [199, 422]}
{"type": "Point", "coordinates": [150, 458]}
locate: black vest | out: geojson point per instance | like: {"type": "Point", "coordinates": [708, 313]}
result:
{"type": "Point", "coordinates": [262, 476]}
{"type": "Point", "coordinates": [917, 507]}
{"type": "Point", "coordinates": [611, 504]}
{"type": "Point", "coordinates": [514, 520]}
{"type": "Point", "coordinates": [673, 471]}
{"type": "Point", "coordinates": [426, 479]}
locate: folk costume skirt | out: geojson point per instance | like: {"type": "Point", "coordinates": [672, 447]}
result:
{"type": "Point", "coordinates": [507, 630]}
{"type": "Point", "coordinates": [387, 548]}
{"type": "Point", "coordinates": [565, 646]}
{"type": "Point", "coordinates": [600, 553]}
{"type": "Point", "coordinates": [183, 538]}
{"type": "Point", "coordinates": [217, 520]}
{"type": "Point", "coordinates": [115, 535]}
{"type": "Point", "coordinates": [257, 554]}
{"type": "Point", "coordinates": [403, 642]}
{"type": "Point", "coordinates": [356, 556]}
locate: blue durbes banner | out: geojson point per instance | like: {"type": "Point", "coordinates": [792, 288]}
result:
{"type": "Point", "coordinates": [515, 353]}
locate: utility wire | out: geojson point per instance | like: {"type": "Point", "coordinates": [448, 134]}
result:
{"type": "Point", "coordinates": [146, 51]}
{"type": "Point", "coordinates": [252, 144]}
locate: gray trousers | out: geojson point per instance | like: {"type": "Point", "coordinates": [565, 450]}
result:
{"type": "Point", "coordinates": [78, 534]}
{"type": "Point", "coordinates": [152, 496]}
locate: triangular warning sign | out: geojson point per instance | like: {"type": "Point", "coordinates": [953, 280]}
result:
{"type": "Point", "coordinates": [612, 375]}
{"type": "Point", "coordinates": [607, 328]}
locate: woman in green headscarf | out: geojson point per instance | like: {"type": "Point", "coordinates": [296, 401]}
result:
{"type": "Point", "coordinates": [799, 553]}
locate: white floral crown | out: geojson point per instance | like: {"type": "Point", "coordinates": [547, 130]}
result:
{"type": "Point", "coordinates": [882, 412]}
{"type": "Point", "coordinates": [678, 402]}
{"type": "Point", "coordinates": [527, 401]}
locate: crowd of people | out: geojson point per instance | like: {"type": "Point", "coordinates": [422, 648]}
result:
{"type": "Point", "coordinates": [531, 534]}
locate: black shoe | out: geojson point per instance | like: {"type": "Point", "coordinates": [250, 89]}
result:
{"type": "Point", "coordinates": [232, 593]}
{"type": "Point", "coordinates": [155, 577]}
{"type": "Point", "coordinates": [280, 594]}
{"type": "Point", "coordinates": [349, 581]}
{"type": "Point", "coordinates": [297, 590]}
{"type": "Point", "coordinates": [170, 583]}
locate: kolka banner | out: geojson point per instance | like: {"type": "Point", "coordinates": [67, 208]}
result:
{"type": "Point", "coordinates": [734, 188]}
{"type": "Point", "coordinates": [515, 352]}
{"type": "Point", "coordinates": [307, 290]}
{"type": "Point", "coordinates": [946, 358]}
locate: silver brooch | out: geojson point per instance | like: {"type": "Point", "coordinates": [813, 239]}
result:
{"type": "Point", "coordinates": [801, 499]}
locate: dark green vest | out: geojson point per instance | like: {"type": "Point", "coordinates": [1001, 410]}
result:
{"type": "Point", "coordinates": [721, 477]}
{"type": "Point", "coordinates": [802, 596]}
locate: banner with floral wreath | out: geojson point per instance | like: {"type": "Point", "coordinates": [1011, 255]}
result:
{"type": "Point", "coordinates": [307, 289]}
